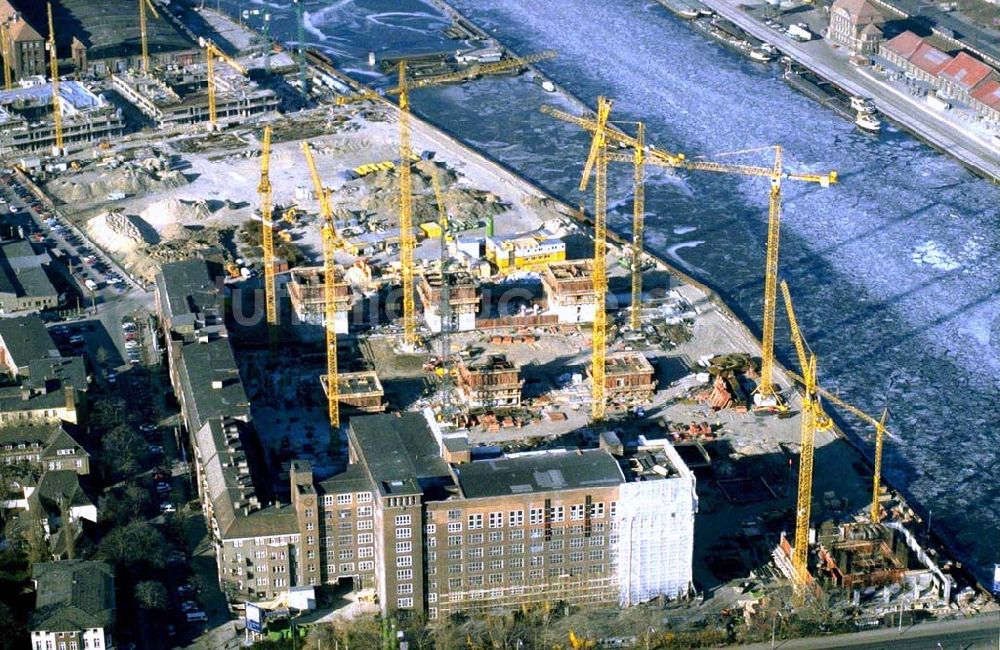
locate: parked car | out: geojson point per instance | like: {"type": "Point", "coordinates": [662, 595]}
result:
{"type": "Point", "coordinates": [167, 507]}
{"type": "Point", "coordinates": [196, 617]}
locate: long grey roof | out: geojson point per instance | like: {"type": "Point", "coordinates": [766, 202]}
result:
{"type": "Point", "coordinates": [73, 595]}
{"type": "Point", "coordinates": [545, 472]}
{"type": "Point", "coordinates": [211, 383]}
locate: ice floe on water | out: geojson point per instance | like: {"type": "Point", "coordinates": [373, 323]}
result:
{"type": "Point", "coordinates": [894, 269]}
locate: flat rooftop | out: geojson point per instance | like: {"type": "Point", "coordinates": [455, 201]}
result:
{"type": "Point", "coordinates": [456, 278]}
{"type": "Point", "coordinates": [399, 451]}
{"type": "Point", "coordinates": [535, 472]}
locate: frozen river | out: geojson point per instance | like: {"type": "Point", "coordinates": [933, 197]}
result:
{"type": "Point", "coordinates": [894, 270]}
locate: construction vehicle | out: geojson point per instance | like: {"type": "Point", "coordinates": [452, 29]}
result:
{"type": "Point", "coordinates": [267, 230]}
{"type": "Point", "coordinates": [57, 148]}
{"type": "Point", "coordinates": [211, 52]}
{"type": "Point", "coordinates": [288, 216]}
{"type": "Point", "coordinates": [142, 31]}
{"type": "Point", "coordinates": [329, 295]}
{"type": "Point", "coordinates": [766, 397]}
{"type": "Point", "coordinates": [233, 270]}
{"type": "Point", "coordinates": [406, 237]}
{"type": "Point", "coordinates": [5, 51]}
{"type": "Point", "coordinates": [597, 161]}
{"type": "Point", "coordinates": [285, 236]}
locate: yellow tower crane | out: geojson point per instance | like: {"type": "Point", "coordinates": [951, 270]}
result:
{"type": "Point", "coordinates": [8, 82]}
{"type": "Point", "coordinates": [54, 71]}
{"type": "Point", "coordinates": [767, 397]}
{"type": "Point", "coordinates": [211, 51]}
{"type": "Point", "coordinates": [267, 231]}
{"type": "Point", "coordinates": [143, 4]}
{"type": "Point", "coordinates": [877, 476]}
{"type": "Point", "coordinates": [597, 161]}
{"type": "Point", "coordinates": [638, 218]}
{"type": "Point", "coordinates": [329, 295]}
{"type": "Point", "coordinates": [822, 420]}
{"type": "Point", "coordinates": [811, 415]}
{"type": "Point", "coordinates": [406, 238]}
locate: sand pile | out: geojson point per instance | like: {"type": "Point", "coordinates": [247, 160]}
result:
{"type": "Point", "coordinates": [379, 194]}
{"type": "Point", "coordinates": [169, 214]}
{"type": "Point", "coordinates": [128, 180]}
{"type": "Point", "coordinates": [120, 233]}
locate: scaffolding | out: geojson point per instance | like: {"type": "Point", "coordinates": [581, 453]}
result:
{"type": "Point", "coordinates": [655, 522]}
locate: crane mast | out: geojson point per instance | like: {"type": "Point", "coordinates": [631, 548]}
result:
{"type": "Point", "coordinates": [445, 305]}
{"type": "Point", "coordinates": [329, 294]}
{"type": "Point", "coordinates": [877, 477]}
{"type": "Point", "coordinates": [267, 230]}
{"type": "Point", "coordinates": [142, 30]}
{"type": "Point", "coordinates": [803, 505]}
{"type": "Point", "coordinates": [767, 396]}
{"type": "Point", "coordinates": [597, 162]}
{"type": "Point", "coordinates": [8, 82]}
{"type": "Point", "coordinates": [211, 51]}
{"type": "Point", "coordinates": [406, 239]}
{"type": "Point", "coordinates": [638, 217]}
{"type": "Point", "coordinates": [54, 70]}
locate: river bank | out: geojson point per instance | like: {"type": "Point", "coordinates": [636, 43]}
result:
{"type": "Point", "coordinates": [917, 119]}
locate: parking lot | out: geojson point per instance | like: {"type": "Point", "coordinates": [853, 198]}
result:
{"type": "Point", "coordinates": [94, 276]}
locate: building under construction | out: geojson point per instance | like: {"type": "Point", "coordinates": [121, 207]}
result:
{"type": "Point", "coordinates": [857, 556]}
{"type": "Point", "coordinates": [488, 382]}
{"type": "Point", "coordinates": [569, 290]}
{"type": "Point", "coordinates": [463, 299]}
{"type": "Point", "coordinates": [628, 378]}
{"type": "Point", "coordinates": [180, 96]}
{"type": "Point", "coordinates": [360, 392]}
{"type": "Point", "coordinates": [26, 122]}
{"type": "Point", "coordinates": [307, 287]}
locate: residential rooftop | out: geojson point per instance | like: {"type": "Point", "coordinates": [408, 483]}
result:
{"type": "Point", "coordinates": [73, 595]}
{"type": "Point", "coordinates": [26, 339]}
{"type": "Point", "coordinates": [211, 383]}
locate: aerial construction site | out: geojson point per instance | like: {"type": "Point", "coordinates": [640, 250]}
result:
{"type": "Point", "coordinates": [388, 368]}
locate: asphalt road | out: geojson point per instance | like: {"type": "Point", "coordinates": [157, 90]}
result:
{"type": "Point", "coordinates": [977, 633]}
{"type": "Point", "coordinates": [914, 115]}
